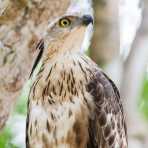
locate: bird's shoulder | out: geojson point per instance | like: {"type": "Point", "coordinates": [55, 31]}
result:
{"type": "Point", "coordinates": [107, 128]}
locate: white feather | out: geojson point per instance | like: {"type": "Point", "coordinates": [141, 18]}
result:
{"type": "Point", "coordinates": [81, 7]}
{"type": "Point", "coordinates": [87, 39]}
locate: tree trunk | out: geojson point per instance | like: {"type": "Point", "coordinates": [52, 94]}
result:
{"type": "Point", "coordinates": [133, 73]}
{"type": "Point", "coordinates": [22, 23]}
{"type": "Point", "coordinates": [105, 45]}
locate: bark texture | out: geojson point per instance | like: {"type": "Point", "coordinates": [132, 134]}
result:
{"type": "Point", "coordinates": [105, 45]}
{"type": "Point", "coordinates": [22, 23]}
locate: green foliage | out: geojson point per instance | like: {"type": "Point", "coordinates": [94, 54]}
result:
{"type": "Point", "coordinates": [5, 138]}
{"type": "Point", "coordinates": [5, 135]}
{"type": "Point", "coordinates": [144, 100]}
{"type": "Point", "coordinates": [21, 106]}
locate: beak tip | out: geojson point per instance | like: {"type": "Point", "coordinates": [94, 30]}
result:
{"type": "Point", "coordinates": [87, 19]}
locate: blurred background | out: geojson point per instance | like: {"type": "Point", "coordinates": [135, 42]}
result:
{"type": "Point", "coordinates": [119, 46]}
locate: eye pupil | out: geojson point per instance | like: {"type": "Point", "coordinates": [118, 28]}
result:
{"type": "Point", "coordinates": [65, 22]}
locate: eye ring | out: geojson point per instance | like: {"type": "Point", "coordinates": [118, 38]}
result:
{"type": "Point", "coordinates": [64, 22]}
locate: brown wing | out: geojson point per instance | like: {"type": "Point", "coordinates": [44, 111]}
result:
{"type": "Point", "coordinates": [107, 129]}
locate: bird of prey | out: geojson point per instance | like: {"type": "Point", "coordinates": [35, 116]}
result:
{"type": "Point", "coordinates": [72, 103]}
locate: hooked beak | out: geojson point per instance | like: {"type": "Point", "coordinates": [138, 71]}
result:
{"type": "Point", "coordinates": [87, 19]}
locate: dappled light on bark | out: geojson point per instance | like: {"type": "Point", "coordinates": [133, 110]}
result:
{"type": "Point", "coordinates": [22, 24]}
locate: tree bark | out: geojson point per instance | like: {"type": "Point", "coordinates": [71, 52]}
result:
{"type": "Point", "coordinates": [132, 78]}
{"type": "Point", "coordinates": [105, 45]}
{"type": "Point", "coordinates": [22, 23]}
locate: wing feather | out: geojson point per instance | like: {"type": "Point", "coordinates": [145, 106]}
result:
{"type": "Point", "coordinates": [107, 129]}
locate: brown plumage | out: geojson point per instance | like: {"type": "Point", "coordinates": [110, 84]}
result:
{"type": "Point", "coordinates": [72, 103]}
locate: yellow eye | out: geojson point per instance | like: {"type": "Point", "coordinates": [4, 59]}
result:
{"type": "Point", "coordinates": [65, 22]}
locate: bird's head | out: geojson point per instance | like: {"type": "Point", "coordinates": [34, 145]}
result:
{"type": "Point", "coordinates": [68, 33]}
